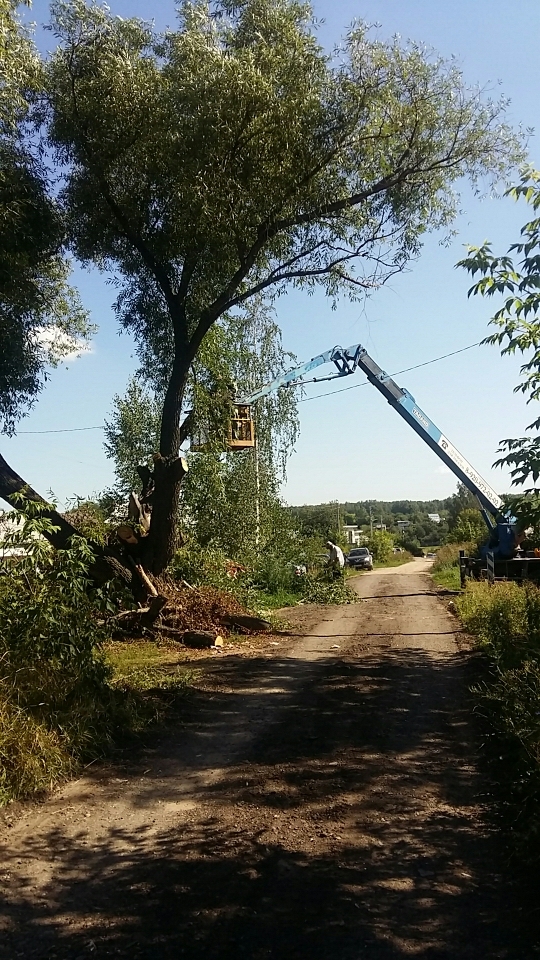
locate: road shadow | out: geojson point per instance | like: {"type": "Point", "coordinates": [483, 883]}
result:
{"type": "Point", "coordinates": [352, 826]}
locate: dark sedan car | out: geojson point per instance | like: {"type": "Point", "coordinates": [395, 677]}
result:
{"type": "Point", "coordinates": [360, 558]}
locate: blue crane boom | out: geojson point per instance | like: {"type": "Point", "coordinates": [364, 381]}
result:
{"type": "Point", "coordinates": [347, 361]}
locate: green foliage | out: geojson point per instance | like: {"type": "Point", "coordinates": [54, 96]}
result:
{"type": "Point", "coordinates": [448, 556]}
{"type": "Point", "coordinates": [515, 277]}
{"type": "Point", "coordinates": [41, 318]}
{"type": "Point", "coordinates": [88, 518]}
{"type": "Point", "coordinates": [505, 618]}
{"type": "Point", "coordinates": [445, 568]}
{"type": "Point", "coordinates": [228, 502]}
{"type": "Point", "coordinates": [168, 130]}
{"type": "Point", "coordinates": [132, 435]}
{"type": "Point", "coordinates": [469, 526]}
{"type": "Point", "coordinates": [21, 67]}
{"type": "Point", "coordinates": [381, 545]}
{"type": "Point", "coordinates": [201, 566]}
{"type": "Point", "coordinates": [60, 703]}
{"type": "Point", "coordinates": [397, 559]}
{"type": "Point", "coordinates": [233, 156]}
{"type": "Point", "coordinates": [32, 757]}
{"type": "Point", "coordinates": [320, 521]}
{"type": "Point", "coordinates": [412, 546]}
{"type": "Point", "coordinates": [325, 589]}
{"type": "Point", "coordinates": [463, 499]}
{"type": "Point", "coordinates": [52, 677]}
{"type": "Point", "coordinates": [49, 637]}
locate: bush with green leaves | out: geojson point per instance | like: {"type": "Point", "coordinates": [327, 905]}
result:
{"type": "Point", "coordinates": [199, 565]}
{"type": "Point", "coordinates": [447, 557]}
{"type": "Point", "coordinates": [381, 545]}
{"type": "Point", "coordinates": [49, 637]}
{"type": "Point", "coordinates": [505, 619]}
{"type": "Point", "coordinates": [89, 519]}
{"type": "Point", "coordinates": [469, 527]}
{"type": "Point", "coordinates": [326, 589]}
{"type": "Point", "coordinates": [56, 705]}
{"type": "Point", "coordinates": [412, 546]}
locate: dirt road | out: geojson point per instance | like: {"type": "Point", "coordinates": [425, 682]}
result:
{"type": "Point", "coordinates": [321, 800]}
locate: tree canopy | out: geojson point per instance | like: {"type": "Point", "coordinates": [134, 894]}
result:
{"type": "Point", "coordinates": [515, 276]}
{"type": "Point", "coordinates": [233, 156]}
{"type": "Point", "coordinates": [41, 317]}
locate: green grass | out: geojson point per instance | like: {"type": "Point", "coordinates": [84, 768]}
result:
{"type": "Point", "coordinates": [445, 569]}
{"type": "Point", "coordinates": [40, 748]}
{"type": "Point", "coordinates": [141, 666]}
{"type": "Point", "coordinates": [447, 577]}
{"type": "Point", "coordinates": [32, 757]}
{"type": "Point", "coordinates": [396, 560]}
{"type": "Point", "coordinates": [505, 620]}
{"type": "Point", "coordinates": [261, 601]}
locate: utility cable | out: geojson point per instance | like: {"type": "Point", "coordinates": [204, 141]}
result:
{"type": "Point", "coordinates": [355, 386]}
{"type": "Point", "coordinates": [66, 430]}
{"type": "Point", "coordinates": [398, 373]}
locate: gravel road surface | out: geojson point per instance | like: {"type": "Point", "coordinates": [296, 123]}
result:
{"type": "Point", "coordinates": [321, 799]}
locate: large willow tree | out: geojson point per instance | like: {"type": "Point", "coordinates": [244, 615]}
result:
{"type": "Point", "coordinates": [234, 156]}
{"type": "Point", "coordinates": [40, 315]}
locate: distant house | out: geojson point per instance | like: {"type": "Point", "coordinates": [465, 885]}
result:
{"type": "Point", "coordinates": [354, 536]}
{"type": "Point", "coordinates": [10, 522]}
{"type": "Point", "coordinates": [379, 526]}
{"type": "Point", "coordinates": [403, 524]}
{"type": "Point", "coordinates": [434, 517]}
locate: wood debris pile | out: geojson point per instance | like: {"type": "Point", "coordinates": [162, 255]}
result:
{"type": "Point", "coordinates": [179, 609]}
{"type": "Point", "coordinates": [197, 608]}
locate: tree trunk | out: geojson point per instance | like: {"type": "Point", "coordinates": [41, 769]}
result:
{"type": "Point", "coordinates": [162, 541]}
{"type": "Point", "coordinates": [109, 564]}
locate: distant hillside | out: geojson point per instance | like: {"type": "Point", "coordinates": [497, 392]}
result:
{"type": "Point", "coordinates": [416, 516]}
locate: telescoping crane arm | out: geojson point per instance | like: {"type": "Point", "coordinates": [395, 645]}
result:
{"type": "Point", "coordinates": [347, 361]}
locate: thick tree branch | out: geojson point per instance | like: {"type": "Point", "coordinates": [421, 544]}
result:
{"type": "Point", "coordinates": [108, 563]}
{"type": "Point", "coordinates": [131, 235]}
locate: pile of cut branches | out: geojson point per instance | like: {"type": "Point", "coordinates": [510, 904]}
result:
{"type": "Point", "coordinates": [188, 609]}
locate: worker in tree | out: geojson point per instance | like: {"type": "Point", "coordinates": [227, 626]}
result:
{"type": "Point", "coordinates": [336, 560]}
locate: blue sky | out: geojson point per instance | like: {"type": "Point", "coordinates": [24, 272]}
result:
{"type": "Point", "coordinates": [352, 445]}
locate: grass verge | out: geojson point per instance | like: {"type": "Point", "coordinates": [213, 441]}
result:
{"type": "Point", "coordinates": [504, 618]}
{"type": "Point", "coordinates": [41, 746]}
{"type": "Point", "coordinates": [445, 569]}
{"type": "Point", "coordinates": [396, 560]}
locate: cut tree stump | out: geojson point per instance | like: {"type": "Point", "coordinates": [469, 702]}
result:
{"type": "Point", "coordinates": [198, 638]}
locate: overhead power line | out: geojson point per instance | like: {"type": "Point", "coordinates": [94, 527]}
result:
{"type": "Point", "coordinates": [329, 393]}
{"type": "Point", "coordinates": [396, 374]}
{"type": "Point", "coordinates": [66, 430]}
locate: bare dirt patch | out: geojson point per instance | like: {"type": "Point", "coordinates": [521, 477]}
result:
{"type": "Point", "coordinates": [320, 799]}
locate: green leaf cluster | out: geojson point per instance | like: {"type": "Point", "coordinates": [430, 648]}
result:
{"type": "Point", "coordinates": [41, 318]}
{"type": "Point", "coordinates": [516, 278]}
{"type": "Point", "coordinates": [381, 545]}
{"type": "Point", "coordinates": [468, 527]}
{"type": "Point", "coordinates": [233, 155]}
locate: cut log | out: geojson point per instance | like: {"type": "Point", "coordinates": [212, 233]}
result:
{"type": "Point", "coordinates": [173, 632]}
{"type": "Point", "coordinates": [199, 638]}
{"type": "Point", "coordinates": [179, 468]}
{"type": "Point", "coordinates": [150, 615]}
{"type": "Point", "coordinates": [146, 580]}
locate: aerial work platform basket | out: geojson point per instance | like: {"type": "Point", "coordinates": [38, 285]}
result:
{"type": "Point", "coordinates": [242, 430]}
{"type": "Point", "coordinates": [240, 436]}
